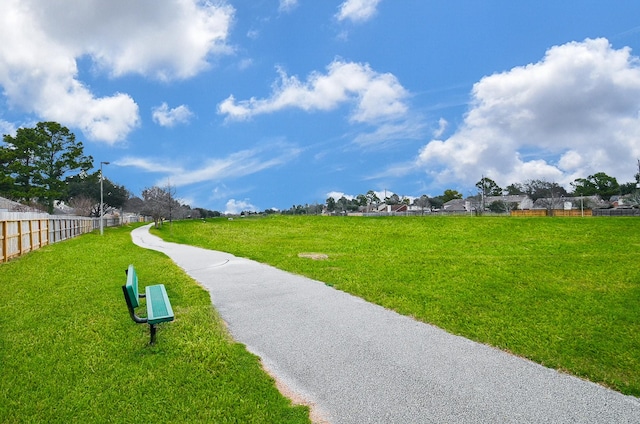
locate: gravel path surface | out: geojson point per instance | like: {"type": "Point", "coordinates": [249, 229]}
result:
{"type": "Point", "coordinates": [356, 362]}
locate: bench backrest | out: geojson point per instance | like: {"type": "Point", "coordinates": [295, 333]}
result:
{"type": "Point", "coordinates": [132, 286]}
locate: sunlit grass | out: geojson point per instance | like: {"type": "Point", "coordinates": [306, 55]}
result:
{"type": "Point", "coordinates": [69, 352]}
{"type": "Point", "coordinates": [564, 292]}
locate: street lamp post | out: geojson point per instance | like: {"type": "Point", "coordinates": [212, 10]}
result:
{"type": "Point", "coordinates": [101, 199]}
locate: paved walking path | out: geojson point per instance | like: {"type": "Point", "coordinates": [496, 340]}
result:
{"type": "Point", "coordinates": [360, 363]}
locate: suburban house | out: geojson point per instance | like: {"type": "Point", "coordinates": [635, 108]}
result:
{"type": "Point", "coordinates": [7, 205]}
{"type": "Point", "coordinates": [470, 204]}
{"type": "Point", "coordinates": [384, 208]}
{"type": "Point", "coordinates": [516, 201]}
{"type": "Point", "coordinates": [458, 205]}
{"type": "Point", "coordinates": [623, 202]}
{"type": "Point", "coordinates": [568, 203]}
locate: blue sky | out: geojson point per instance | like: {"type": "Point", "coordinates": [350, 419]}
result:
{"type": "Point", "coordinates": [250, 105]}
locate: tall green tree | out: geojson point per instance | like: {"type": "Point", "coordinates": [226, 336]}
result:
{"type": "Point", "coordinates": [331, 204]}
{"type": "Point", "coordinates": [394, 199]}
{"type": "Point", "coordinates": [628, 188]}
{"type": "Point", "coordinates": [87, 187]}
{"type": "Point", "coordinates": [538, 189]}
{"type": "Point", "coordinates": [20, 153]}
{"type": "Point", "coordinates": [342, 204]}
{"type": "Point", "coordinates": [450, 194]}
{"type": "Point", "coordinates": [372, 197]}
{"type": "Point", "coordinates": [514, 189]}
{"type": "Point", "coordinates": [437, 202]}
{"type": "Point", "coordinates": [597, 184]}
{"type": "Point", "coordinates": [362, 200]}
{"type": "Point", "coordinates": [40, 159]}
{"type": "Point", "coordinates": [7, 181]}
{"type": "Point", "coordinates": [488, 187]}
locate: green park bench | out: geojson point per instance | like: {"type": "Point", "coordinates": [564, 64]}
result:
{"type": "Point", "coordinates": [156, 299]}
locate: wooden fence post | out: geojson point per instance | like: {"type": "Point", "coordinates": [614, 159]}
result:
{"type": "Point", "coordinates": [31, 246]}
{"type": "Point", "coordinates": [5, 241]}
{"type": "Point", "coordinates": [19, 238]}
{"type": "Point", "coordinates": [44, 231]}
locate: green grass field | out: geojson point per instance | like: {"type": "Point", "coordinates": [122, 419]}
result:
{"type": "Point", "coordinates": [564, 292]}
{"type": "Point", "coordinates": [69, 352]}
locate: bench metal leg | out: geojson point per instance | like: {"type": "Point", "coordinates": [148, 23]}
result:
{"type": "Point", "coordinates": [152, 327]}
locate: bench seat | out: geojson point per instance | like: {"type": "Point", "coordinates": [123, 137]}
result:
{"type": "Point", "coordinates": [156, 299]}
{"type": "Point", "coordinates": [158, 305]}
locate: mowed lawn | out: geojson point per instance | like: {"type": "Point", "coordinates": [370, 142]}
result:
{"type": "Point", "coordinates": [70, 353]}
{"type": "Point", "coordinates": [564, 292]}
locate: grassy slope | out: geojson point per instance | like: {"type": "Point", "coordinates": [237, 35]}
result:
{"type": "Point", "coordinates": [562, 292]}
{"type": "Point", "coordinates": [69, 352]}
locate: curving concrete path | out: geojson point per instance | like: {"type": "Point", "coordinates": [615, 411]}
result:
{"type": "Point", "coordinates": [356, 362]}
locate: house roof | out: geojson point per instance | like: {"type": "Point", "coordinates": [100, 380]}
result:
{"type": "Point", "coordinates": [12, 206]}
{"type": "Point", "coordinates": [456, 205]}
{"type": "Point", "coordinates": [399, 208]}
{"type": "Point", "coordinates": [510, 198]}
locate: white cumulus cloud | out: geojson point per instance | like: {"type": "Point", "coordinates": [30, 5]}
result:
{"type": "Point", "coordinates": [375, 96]}
{"type": "Point", "coordinates": [337, 195]}
{"type": "Point", "coordinates": [166, 117]}
{"type": "Point", "coordinates": [234, 207]}
{"type": "Point", "coordinates": [41, 43]}
{"type": "Point", "coordinates": [357, 10]}
{"type": "Point", "coordinates": [573, 113]}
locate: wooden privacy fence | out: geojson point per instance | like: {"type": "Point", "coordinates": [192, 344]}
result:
{"type": "Point", "coordinates": [23, 233]}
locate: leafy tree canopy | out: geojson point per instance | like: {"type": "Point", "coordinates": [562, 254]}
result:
{"type": "Point", "coordinates": [372, 197]}
{"type": "Point", "coordinates": [597, 184]}
{"type": "Point", "coordinates": [394, 199]}
{"type": "Point", "coordinates": [331, 204]}
{"type": "Point", "coordinates": [450, 194]}
{"type": "Point", "coordinates": [627, 188]}
{"type": "Point", "coordinates": [514, 189]}
{"type": "Point", "coordinates": [87, 186]}
{"type": "Point", "coordinates": [38, 160]}
{"type": "Point", "coordinates": [538, 189]}
{"type": "Point", "coordinates": [488, 187]}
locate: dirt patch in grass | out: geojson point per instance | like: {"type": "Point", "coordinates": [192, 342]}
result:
{"type": "Point", "coordinates": [314, 256]}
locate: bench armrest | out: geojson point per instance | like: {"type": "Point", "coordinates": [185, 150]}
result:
{"type": "Point", "coordinates": [130, 307]}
